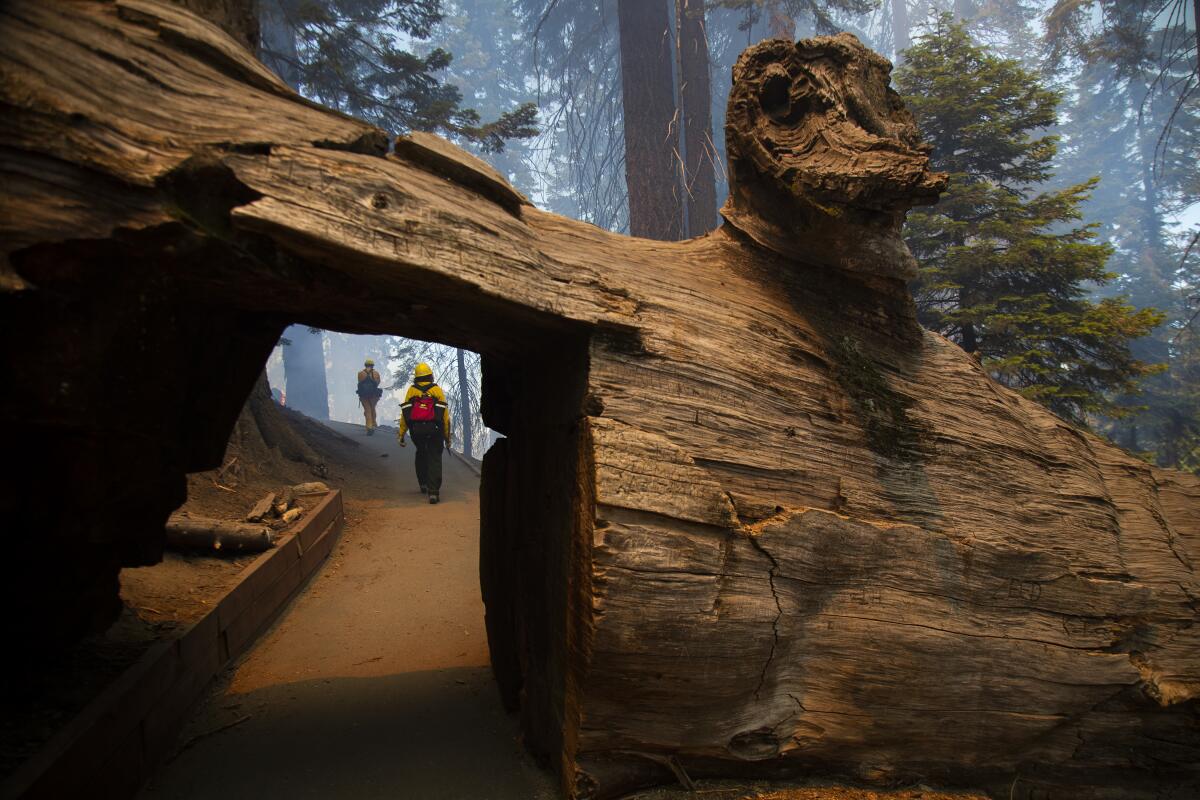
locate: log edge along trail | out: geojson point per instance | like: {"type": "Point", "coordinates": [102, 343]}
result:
{"type": "Point", "coordinates": [757, 521]}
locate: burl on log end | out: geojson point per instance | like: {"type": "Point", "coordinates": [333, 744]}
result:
{"type": "Point", "coordinates": [824, 160]}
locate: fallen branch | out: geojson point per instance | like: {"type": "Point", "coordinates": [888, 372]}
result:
{"type": "Point", "coordinates": [185, 532]}
{"type": "Point", "coordinates": [221, 472]}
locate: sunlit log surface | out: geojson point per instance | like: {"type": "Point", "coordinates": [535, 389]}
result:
{"type": "Point", "coordinates": [750, 518]}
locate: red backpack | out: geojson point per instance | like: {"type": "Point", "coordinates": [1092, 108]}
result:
{"type": "Point", "coordinates": [423, 409]}
{"type": "Point", "coordinates": [424, 413]}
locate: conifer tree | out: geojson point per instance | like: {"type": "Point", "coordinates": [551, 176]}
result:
{"type": "Point", "coordinates": [1007, 265]}
{"type": "Point", "coordinates": [492, 67]}
{"type": "Point", "coordinates": [357, 56]}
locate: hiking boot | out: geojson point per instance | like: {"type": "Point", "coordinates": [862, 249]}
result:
{"type": "Point", "coordinates": [433, 498]}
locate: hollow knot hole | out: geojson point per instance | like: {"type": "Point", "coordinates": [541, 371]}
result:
{"type": "Point", "coordinates": [776, 96]}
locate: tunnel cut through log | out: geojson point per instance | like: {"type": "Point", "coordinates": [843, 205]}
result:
{"type": "Point", "coordinates": [536, 500]}
{"type": "Point", "coordinates": [802, 534]}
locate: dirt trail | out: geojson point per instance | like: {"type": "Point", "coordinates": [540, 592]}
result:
{"type": "Point", "coordinates": [375, 683]}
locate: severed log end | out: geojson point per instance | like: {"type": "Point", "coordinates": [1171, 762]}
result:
{"type": "Point", "coordinates": [824, 159]}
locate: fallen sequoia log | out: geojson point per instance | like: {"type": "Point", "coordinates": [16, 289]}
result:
{"type": "Point", "coordinates": [186, 532]}
{"type": "Point", "coordinates": [757, 523]}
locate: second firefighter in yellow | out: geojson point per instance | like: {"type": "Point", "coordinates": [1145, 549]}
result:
{"type": "Point", "coordinates": [369, 393]}
{"type": "Point", "coordinates": [425, 414]}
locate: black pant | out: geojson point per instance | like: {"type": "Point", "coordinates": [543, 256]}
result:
{"type": "Point", "coordinates": [429, 460]}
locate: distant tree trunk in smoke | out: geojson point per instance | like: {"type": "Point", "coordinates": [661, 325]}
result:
{"type": "Point", "coordinates": [695, 94]}
{"type": "Point", "coordinates": [779, 23]}
{"type": "Point", "coordinates": [304, 372]}
{"type": "Point", "coordinates": [651, 160]}
{"type": "Point", "coordinates": [464, 406]}
{"type": "Point", "coordinates": [900, 34]}
{"type": "Point", "coordinates": [1151, 216]}
{"type": "Point", "coordinates": [278, 47]}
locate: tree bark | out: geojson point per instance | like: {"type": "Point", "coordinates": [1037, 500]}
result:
{"type": "Point", "coordinates": [304, 372]}
{"type": "Point", "coordinates": [873, 560]}
{"type": "Point", "coordinates": [652, 172]}
{"type": "Point", "coordinates": [464, 406]}
{"type": "Point", "coordinates": [695, 95]}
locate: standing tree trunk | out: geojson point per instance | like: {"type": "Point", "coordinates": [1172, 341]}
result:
{"type": "Point", "coordinates": [695, 94]}
{"type": "Point", "coordinates": [900, 36]}
{"type": "Point", "coordinates": [464, 405]}
{"type": "Point", "coordinates": [304, 372]}
{"type": "Point", "coordinates": [1152, 222]}
{"type": "Point", "coordinates": [278, 47]}
{"type": "Point", "coordinates": [780, 25]}
{"type": "Point", "coordinates": [651, 160]}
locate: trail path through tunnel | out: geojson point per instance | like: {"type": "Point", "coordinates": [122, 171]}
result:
{"type": "Point", "coordinates": [375, 683]}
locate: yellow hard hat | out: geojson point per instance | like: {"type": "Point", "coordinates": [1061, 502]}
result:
{"type": "Point", "coordinates": [422, 371]}
{"type": "Point", "coordinates": [370, 362]}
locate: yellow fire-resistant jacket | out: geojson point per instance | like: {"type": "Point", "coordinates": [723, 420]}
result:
{"type": "Point", "coordinates": [438, 395]}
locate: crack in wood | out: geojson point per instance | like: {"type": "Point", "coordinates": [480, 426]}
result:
{"type": "Point", "coordinates": [778, 612]}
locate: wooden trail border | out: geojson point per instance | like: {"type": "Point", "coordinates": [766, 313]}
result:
{"type": "Point", "coordinates": [472, 464]}
{"type": "Point", "coordinates": [113, 746]}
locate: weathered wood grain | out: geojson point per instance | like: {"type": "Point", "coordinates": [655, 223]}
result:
{"type": "Point", "coordinates": [759, 522]}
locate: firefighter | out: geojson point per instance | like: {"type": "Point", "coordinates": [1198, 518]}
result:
{"type": "Point", "coordinates": [425, 413]}
{"type": "Point", "coordinates": [369, 393]}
